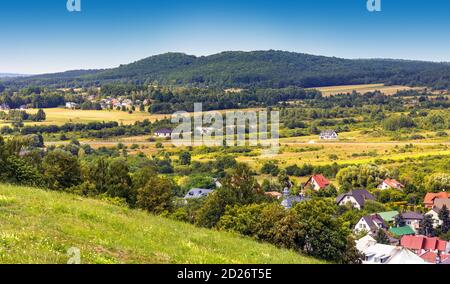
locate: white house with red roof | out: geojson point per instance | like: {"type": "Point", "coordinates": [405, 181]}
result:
{"type": "Point", "coordinates": [390, 184]}
{"type": "Point", "coordinates": [318, 182]}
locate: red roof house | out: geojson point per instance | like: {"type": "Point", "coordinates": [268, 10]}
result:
{"type": "Point", "coordinates": [422, 244]}
{"type": "Point", "coordinates": [390, 184]}
{"type": "Point", "coordinates": [318, 182]}
{"type": "Point", "coordinates": [430, 197]}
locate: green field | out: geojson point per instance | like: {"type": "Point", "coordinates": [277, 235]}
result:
{"type": "Point", "coordinates": [39, 226]}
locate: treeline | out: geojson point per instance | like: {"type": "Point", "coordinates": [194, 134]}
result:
{"type": "Point", "coordinates": [91, 129]}
{"type": "Point", "coordinates": [21, 115]}
{"type": "Point", "coordinates": [34, 97]}
{"type": "Point", "coordinates": [211, 99]}
{"type": "Point", "coordinates": [68, 127]}
{"type": "Point", "coordinates": [262, 69]}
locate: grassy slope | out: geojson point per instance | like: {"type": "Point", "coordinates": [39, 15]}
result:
{"type": "Point", "coordinates": [37, 226]}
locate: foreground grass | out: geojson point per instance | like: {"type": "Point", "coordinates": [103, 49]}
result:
{"type": "Point", "coordinates": [37, 226]}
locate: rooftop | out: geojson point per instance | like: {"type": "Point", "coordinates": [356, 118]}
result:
{"type": "Point", "coordinates": [402, 231]}
{"type": "Point", "coordinates": [388, 216]}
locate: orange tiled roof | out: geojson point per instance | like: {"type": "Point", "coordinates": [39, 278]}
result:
{"type": "Point", "coordinates": [430, 197]}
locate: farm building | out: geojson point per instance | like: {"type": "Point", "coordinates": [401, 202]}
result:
{"type": "Point", "coordinates": [328, 135]}
{"type": "Point", "coordinates": [163, 133]}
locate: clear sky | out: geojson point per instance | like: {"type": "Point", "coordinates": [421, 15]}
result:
{"type": "Point", "coordinates": [40, 36]}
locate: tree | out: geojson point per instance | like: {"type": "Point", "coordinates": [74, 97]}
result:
{"type": "Point", "coordinates": [40, 115]}
{"type": "Point", "coordinates": [323, 235]}
{"type": "Point", "coordinates": [185, 158]}
{"type": "Point", "coordinates": [270, 168]}
{"type": "Point", "coordinates": [426, 226]}
{"type": "Point", "coordinates": [399, 221]}
{"type": "Point", "coordinates": [239, 188]}
{"type": "Point", "coordinates": [156, 196]}
{"type": "Point", "coordinates": [61, 170]}
{"type": "Point", "coordinates": [382, 237]}
{"type": "Point", "coordinates": [438, 182]}
{"type": "Point", "coordinates": [361, 176]}
{"type": "Point", "coordinates": [445, 218]}
{"type": "Point", "coordinates": [119, 182]}
{"type": "Point", "coordinates": [352, 255]}
{"type": "Point", "coordinates": [373, 206]}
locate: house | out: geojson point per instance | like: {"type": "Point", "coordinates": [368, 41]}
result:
{"type": "Point", "coordinates": [274, 194]}
{"type": "Point", "coordinates": [365, 242]}
{"type": "Point", "coordinates": [371, 224]}
{"type": "Point", "coordinates": [71, 105]}
{"type": "Point", "coordinates": [205, 130]}
{"type": "Point", "coordinates": [163, 133]}
{"type": "Point", "coordinates": [390, 184]}
{"type": "Point", "coordinates": [402, 231]}
{"type": "Point", "coordinates": [357, 198]}
{"type": "Point", "coordinates": [434, 213]}
{"type": "Point", "coordinates": [217, 183]}
{"type": "Point", "coordinates": [328, 135]}
{"type": "Point", "coordinates": [434, 258]}
{"type": "Point", "coordinates": [318, 182]}
{"type": "Point", "coordinates": [387, 254]}
{"type": "Point", "coordinates": [388, 217]}
{"type": "Point", "coordinates": [422, 244]}
{"type": "Point", "coordinates": [197, 193]}
{"type": "Point", "coordinates": [439, 203]}
{"type": "Point", "coordinates": [413, 220]}
{"type": "Point", "coordinates": [430, 197]}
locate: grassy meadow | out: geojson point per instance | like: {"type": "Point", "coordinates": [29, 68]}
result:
{"type": "Point", "coordinates": [38, 226]}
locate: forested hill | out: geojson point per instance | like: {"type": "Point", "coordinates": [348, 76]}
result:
{"type": "Point", "coordinates": [275, 69]}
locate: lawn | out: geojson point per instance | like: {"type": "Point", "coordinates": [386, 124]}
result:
{"type": "Point", "coordinates": [38, 226]}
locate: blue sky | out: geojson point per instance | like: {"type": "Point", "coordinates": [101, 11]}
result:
{"type": "Point", "coordinates": [39, 36]}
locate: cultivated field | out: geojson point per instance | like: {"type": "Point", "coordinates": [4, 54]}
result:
{"type": "Point", "coordinates": [388, 90]}
{"type": "Point", "coordinates": [60, 116]}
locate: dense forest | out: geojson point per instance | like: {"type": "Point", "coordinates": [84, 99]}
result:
{"type": "Point", "coordinates": [266, 69]}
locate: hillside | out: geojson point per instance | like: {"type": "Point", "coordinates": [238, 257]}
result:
{"type": "Point", "coordinates": [274, 69]}
{"type": "Point", "coordinates": [37, 226]}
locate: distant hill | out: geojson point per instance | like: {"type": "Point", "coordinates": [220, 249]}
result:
{"type": "Point", "coordinates": [275, 69]}
{"type": "Point", "coordinates": [11, 75]}
{"type": "Point", "coordinates": [39, 226]}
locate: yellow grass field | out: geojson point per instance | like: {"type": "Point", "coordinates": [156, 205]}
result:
{"type": "Point", "coordinates": [60, 116]}
{"type": "Point", "coordinates": [388, 90]}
